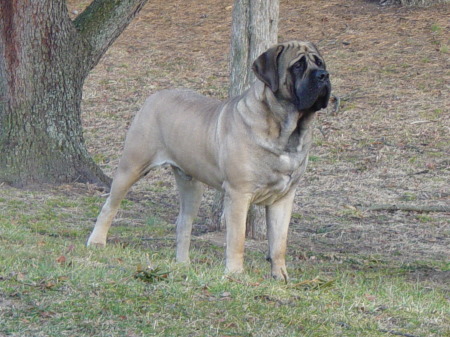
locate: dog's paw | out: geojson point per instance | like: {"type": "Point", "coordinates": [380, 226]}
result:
{"type": "Point", "coordinates": [280, 274]}
{"type": "Point", "coordinates": [234, 270]}
{"type": "Point", "coordinates": [183, 261]}
{"type": "Point", "coordinates": [96, 243]}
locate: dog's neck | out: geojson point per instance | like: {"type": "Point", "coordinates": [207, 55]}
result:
{"type": "Point", "coordinates": [280, 122]}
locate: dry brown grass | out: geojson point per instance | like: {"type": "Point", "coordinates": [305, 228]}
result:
{"type": "Point", "coordinates": [420, 2]}
{"type": "Point", "coordinates": [389, 143]}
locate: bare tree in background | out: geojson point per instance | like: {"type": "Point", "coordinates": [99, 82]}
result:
{"type": "Point", "coordinates": [44, 59]}
{"type": "Point", "coordinates": [254, 30]}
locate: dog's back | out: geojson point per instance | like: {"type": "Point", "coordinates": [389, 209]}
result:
{"type": "Point", "coordinates": [167, 124]}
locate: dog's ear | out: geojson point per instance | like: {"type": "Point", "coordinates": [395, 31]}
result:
{"type": "Point", "coordinates": [266, 67]}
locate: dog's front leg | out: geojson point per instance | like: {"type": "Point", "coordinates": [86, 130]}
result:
{"type": "Point", "coordinates": [278, 216]}
{"type": "Point", "coordinates": [235, 210]}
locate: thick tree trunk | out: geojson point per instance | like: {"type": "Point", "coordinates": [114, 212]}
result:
{"type": "Point", "coordinates": [254, 30]}
{"type": "Point", "coordinates": [41, 136]}
{"type": "Point", "coordinates": [44, 60]}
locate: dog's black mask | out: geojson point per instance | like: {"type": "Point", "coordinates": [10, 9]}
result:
{"type": "Point", "coordinates": [312, 87]}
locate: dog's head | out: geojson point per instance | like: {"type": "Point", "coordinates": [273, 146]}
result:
{"type": "Point", "coordinates": [295, 71]}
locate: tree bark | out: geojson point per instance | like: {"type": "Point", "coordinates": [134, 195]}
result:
{"type": "Point", "coordinates": [44, 60]}
{"type": "Point", "coordinates": [254, 30]}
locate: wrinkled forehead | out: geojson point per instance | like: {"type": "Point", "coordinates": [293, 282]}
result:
{"type": "Point", "coordinates": [295, 49]}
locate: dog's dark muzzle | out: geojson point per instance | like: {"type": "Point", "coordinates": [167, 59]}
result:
{"type": "Point", "coordinates": [321, 75]}
{"type": "Point", "coordinates": [323, 79]}
{"type": "Point", "coordinates": [313, 92]}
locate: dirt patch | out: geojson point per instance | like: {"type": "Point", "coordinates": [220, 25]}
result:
{"type": "Point", "coordinates": [389, 142]}
{"type": "Point", "coordinates": [436, 276]}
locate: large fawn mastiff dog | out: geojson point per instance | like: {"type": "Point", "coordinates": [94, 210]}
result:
{"type": "Point", "coordinates": [254, 147]}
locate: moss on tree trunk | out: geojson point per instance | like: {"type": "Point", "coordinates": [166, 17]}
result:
{"type": "Point", "coordinates": [45, 58]}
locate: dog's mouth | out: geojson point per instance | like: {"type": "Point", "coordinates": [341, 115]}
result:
{"type": "Point", "coordinates": [308, 100]}
{"type": "Point", "coordinates": [312, 92]}
{"type": "Point", "coordinates": [322, 98]}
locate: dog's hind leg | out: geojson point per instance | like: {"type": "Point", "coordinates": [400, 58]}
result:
{"type": "Point", "coordinates": [190, 191]}
{"type": "Point", "coordinates": [123, 179]}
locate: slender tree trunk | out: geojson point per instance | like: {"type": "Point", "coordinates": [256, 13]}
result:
{"type": "Point", "coordinates": [44, 60]}
{"type": "Point", "coordinates": [254, 29]}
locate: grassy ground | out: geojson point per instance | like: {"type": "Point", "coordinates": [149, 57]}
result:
{"type": "Point", "coordinates": [52, 285]}
{"type": "Point", "coordinates": [354, 272]}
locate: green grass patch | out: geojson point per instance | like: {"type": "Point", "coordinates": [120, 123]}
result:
{"type": "Point", "coordinates": [52, 285]}
{"type": "Point", "coordinates": [314, 158]}
{"type": "Point", "coordinates": [436, 28]}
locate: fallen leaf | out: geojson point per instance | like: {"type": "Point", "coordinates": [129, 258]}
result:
{"type": "Point", "coordinates": [47, 314]}
{"type": "Point", "coordinates": [431, 166]}
{"type": "Point", "coordinates": [70, 249]}
{"type": "Point", "coordinates": [370, 297]}
{"type": "Point", "coordinates": [61, 259]}
{"type": "Point", "coordinates": [225, 294]}
{"type": "Point", "coordinates": [20, 277]}
{"type": "Point", "coordinates": [49, 284]}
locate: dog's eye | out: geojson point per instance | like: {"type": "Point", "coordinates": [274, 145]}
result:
{"type": "Point", "coordinates": [318, 61]}
{"type": "Point", "coordinates": [300, 64]}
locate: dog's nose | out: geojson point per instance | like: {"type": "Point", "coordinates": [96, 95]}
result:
{"type": "Point", "coordinates": [322, 75]}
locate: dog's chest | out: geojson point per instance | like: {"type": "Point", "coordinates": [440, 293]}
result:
{"type": "Point", "coordinates": [282, 175]}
